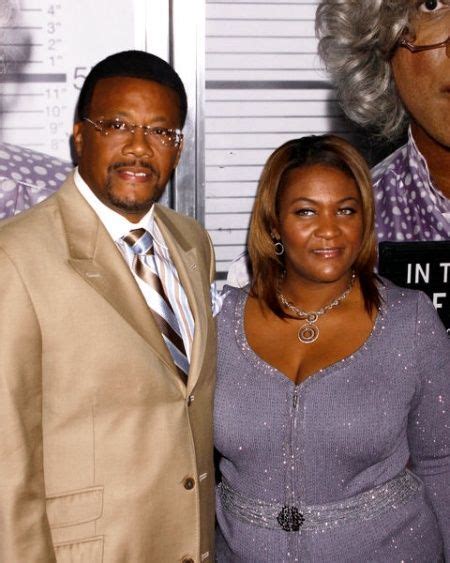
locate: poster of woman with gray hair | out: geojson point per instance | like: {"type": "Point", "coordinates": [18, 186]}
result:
{"type": "Point", "coordinates": [390, 63]}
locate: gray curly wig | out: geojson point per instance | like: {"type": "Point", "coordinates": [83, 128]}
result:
{"type": "Point", "coordinates": [356, 41]}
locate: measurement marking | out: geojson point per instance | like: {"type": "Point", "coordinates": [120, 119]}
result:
{"type": "Point", "coordinates": [22, 128]}
{"type": "Point", "coordinates": [295, 2]}
{"type": "Point", "coordinates": [275, 53]}
{"type": "Point", "coordinates": [21, 27]}
{"type": "Point", "coordinates": [18, 95]}
{"type": "Point", "coordinates": [25, 62]}
{"type": "Point", "coordinates": [230, 197]}
{"type": "Point", "coordinates": [244, 69]}
{"type": "Point", "coordinates": [309, 37]}
{"type": "Point", "coordinates": [226, 213]}
{"type": "Point", "coordinates": [268, 19]}
{"type": "Point", "coordinates": [27, 78]}
{"type": "Point", "coordinates": [21, 44]}
{"type": "Point", "coordinates": [296, 116]}
{"type": "Point", "coordinates": [268, 85]}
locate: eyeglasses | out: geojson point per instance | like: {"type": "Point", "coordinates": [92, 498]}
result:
{"type": "Point", "coordinates": [430, 30]}
{"type": "Point", "coordinates": [118, 128]}
{"type": "Point", "coordinates": [418, 48]}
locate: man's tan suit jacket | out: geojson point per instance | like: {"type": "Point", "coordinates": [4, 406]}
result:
{"type": "Point", "coordinates": [105, 455]}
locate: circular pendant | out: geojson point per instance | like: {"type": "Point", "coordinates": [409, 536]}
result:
{"type": "Point", "coordinates": [308, 333]}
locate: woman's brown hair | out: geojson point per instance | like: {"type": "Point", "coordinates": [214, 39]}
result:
{"type": "Point", "coordinates": [325, 150]}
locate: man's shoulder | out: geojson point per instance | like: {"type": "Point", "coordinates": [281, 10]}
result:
{"type": "Point", "coordinates": [187, 226]}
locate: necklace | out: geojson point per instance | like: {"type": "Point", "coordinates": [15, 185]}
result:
{"type": "Point", "coordinates": [309, 332]}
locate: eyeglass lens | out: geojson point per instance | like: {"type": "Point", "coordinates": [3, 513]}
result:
{"type": "Point", "coordinates": [430, 28]}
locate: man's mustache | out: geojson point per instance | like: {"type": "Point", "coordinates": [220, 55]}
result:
{"type": "Point", "coordinates": [132, 164]}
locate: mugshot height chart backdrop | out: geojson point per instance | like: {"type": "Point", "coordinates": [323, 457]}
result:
{"type": "Point", "coordinates": [49, 50]}
{"type": "Point", "coordinates": [264, 86]}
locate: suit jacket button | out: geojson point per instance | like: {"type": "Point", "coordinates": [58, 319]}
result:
{"type": "Point", "coordinates": [189, 484]}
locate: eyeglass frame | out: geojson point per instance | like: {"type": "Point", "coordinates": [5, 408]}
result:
{"type": "Point", "coordinates": [420, 48]}
{"type": "Point", "coordinates": [147, 129]}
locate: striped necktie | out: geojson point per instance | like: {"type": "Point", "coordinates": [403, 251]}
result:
{"type": "Point", "coordinates": [141, 243]}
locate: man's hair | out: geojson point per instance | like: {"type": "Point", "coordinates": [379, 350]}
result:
{"type": "Point", "coordinates": [132, 64]}
{"type": "Point", "coordinates": [356, 41]}
{"type": "Point", "coordinates": [326, 150]}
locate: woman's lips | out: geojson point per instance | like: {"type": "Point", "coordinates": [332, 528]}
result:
{"type": "Point", "coordinates": [327, 252]}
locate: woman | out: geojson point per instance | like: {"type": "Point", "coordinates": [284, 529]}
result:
{"type": "Point", "coordinates": [330, 382]}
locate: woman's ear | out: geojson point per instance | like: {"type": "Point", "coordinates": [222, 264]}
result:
{"type": "Point", "coordinates": [275, 234]}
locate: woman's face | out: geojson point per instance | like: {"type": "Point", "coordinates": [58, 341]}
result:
{"type": "Point", "coordinates": [320, 223]}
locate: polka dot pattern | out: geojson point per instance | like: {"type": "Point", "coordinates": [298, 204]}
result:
{"type": "Point", "coordinates": [408, 206]}
{"type": "Point", "coordinates": [27, 178]}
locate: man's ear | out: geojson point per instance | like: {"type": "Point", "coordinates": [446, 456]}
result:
{"type": "Point", "coordinates": [78, 137]}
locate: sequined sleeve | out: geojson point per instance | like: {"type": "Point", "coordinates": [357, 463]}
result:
{"type": "Point", "coordinates": [429, 420]}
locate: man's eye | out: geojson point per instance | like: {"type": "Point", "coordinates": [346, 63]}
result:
{"type": "Point", "coordinates": [116, 125]}
{"type": "Point", "coordinates": [160, 131]}
{"type": "Point", "coordinates": [430, 6]}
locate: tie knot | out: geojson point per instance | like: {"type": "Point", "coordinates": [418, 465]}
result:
{"type": "Point", "coordinates": [140, 241]}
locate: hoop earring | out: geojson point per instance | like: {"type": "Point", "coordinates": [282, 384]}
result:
{"type": "Point", "coordinates": [279, 248]}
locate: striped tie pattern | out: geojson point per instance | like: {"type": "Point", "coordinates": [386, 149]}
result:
{"type": "Point", "coordinates": [141, 243]}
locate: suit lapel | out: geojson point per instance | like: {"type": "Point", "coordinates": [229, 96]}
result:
{"type": "Point", "coordinates": [95, 257]}
{"type": "Point", "coordinates": [185, 259]}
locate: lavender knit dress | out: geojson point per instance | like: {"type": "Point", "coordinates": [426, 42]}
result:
{"type": "Point", "coordinates": [316, 472]}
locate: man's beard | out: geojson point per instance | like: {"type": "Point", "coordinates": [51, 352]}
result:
{"type": "Point", "coordinates": [130, 205]}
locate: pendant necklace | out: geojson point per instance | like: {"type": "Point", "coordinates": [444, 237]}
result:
{"type": "Point", "coordinates": [309, 332]}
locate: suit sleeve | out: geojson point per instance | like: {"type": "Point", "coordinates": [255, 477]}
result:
{"type": "Point", "coordinates": [24, 529]}
{"type": "Point", "coordinates": [429, 420]}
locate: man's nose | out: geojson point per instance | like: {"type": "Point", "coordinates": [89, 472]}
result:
{"type": "Point", "coordinates": [138, 143]}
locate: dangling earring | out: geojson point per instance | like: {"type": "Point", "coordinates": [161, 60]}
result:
{"type": "Point", "coordinates": [279, 248]}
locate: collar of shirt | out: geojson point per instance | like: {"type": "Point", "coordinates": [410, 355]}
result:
{"type": "Point", "coordinates": [416, 157]}
{"type": "Point", "coordinates": [116, 225]}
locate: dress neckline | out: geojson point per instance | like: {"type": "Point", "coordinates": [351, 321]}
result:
{"type": "Point", "coordinates": [268, 369]}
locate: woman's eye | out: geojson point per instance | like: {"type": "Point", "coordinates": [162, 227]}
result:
{"type": "Point", "coordinates": [430, 6]}
{"type": "Point", "coordinates": [347, 211]}
{"type": "Point", "coordinates": [304, 212]}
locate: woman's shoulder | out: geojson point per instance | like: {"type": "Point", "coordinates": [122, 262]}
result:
{"type": "Point", "coordinates": [393, 293]}
{"type": "Point", "coordinates": [232, 297]}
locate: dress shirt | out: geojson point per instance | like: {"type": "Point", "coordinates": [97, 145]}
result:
{"type": "Point", "coordinates": [409, 207]}
{"type": "Point", "coordinates": [118, 226]}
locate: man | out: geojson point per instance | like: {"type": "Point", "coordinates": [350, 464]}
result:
{"type": "Point", "coordinates": [390, 62]}
{"type": "Point", "coordinates": [107, 343]}
{"type": "Point", "coordinates": [26, 177]}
